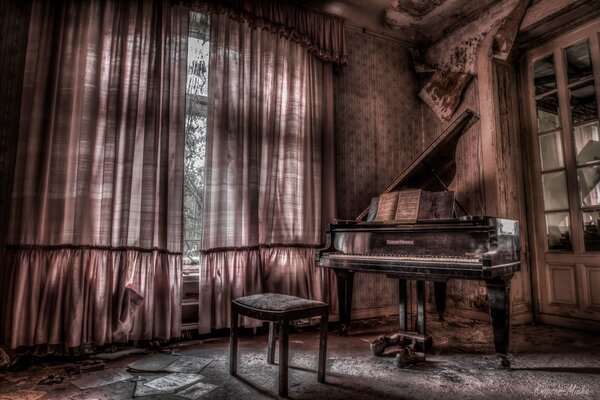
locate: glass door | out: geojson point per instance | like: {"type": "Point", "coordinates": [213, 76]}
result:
{"type": "Point", "coordinates": [562, 79]}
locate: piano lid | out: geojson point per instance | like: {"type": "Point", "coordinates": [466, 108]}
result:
{"type": "Point", "coordinates": [435, 167]}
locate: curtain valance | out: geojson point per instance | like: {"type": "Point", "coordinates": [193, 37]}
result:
{"type": "Point", "coordinates": [322, 34]}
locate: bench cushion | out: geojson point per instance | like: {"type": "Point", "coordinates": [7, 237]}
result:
{"type": "Point", "coordinates": [277, 302]}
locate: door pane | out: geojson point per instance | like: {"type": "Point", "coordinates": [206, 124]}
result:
{"type": "Point", "coordinates": [587, 143]}
{"type": "Point", "coordinates": [551, 152]}
{"type": "Point", "coordinates": [583, 103]}
{"type": "Point", "coordinates": [578, 61]}
{"type": "Point", "coordinates": [548, 113]}
{"type": "Point", "coordinates": [591, 235]}
{"type": "Point", "coordinates": [558, 231]}
{"type": "Point", "coordinates": [589, 187]}
{"type": "Point", "coordinates": [555, 191]}
{"type": "Point", "coordinates": [544, 78]}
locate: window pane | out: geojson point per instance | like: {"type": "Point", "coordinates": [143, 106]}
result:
{"type": "Point", "coordinates": [555, 191]}
{"type": "Point", "coordinates": [578, 61]}
{"type": "Point", "coordinates": [558, 231]}
{"type": "Point", "coordinates": [198, 53]}
{"type": "Point", "coordinates": [544, 78]}
{"type": "Point", "coordinates": [551, 152]}
{"type": "Point", "coordinates": [587, 142]}
{"type": "Point", "coordinates": [583, 103]}
{"type": "Point", "coordinates": [591, 235]}
{"type": "Point", "coordinates": [589, 189]}
{"type": "Point", "coordinates": [548, 113]}
{"type": "Point", "coordinates": [195, 138]}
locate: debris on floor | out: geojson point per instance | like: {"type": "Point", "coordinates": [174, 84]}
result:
{"type": "Point", "coordinates": [121, 353]}
{"type": "Point", "coordinates": [170, 363]}
{"type": "Point", "coordinates": [395, 345]}
{"type": "Point", "coordinates": [101, 378]}
{"type": "Point", "coordinates": [52, 379]}
{"type": "Point", "coordinates": [91, 365]}
{"type": "Point", "coordinates": [24, 395]}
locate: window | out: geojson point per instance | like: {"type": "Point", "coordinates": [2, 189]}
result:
{"type": "Point", "coordinates": [568, 143]}
{"type": "Point", "coordinates": [195, 137]}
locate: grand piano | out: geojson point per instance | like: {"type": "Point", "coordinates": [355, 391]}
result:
{"type": "Point", "coordinates": [428, 249]}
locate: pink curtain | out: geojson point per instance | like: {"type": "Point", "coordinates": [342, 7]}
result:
{"type": "Point", "coordinates": [270, 177]}
{"type": "Point", "coordinates": [95, 232]}
{"type": "Point", "coordinates": [321, 34]}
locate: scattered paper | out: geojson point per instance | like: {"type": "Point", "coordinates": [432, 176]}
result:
{"type": "Point", "coordinates": [141, 390]}
{"type": "Point", "coordinates": [24, 395]}
{"type": "Point", "coordinates": [173, 382]}
{"type": "Point", "coordinates": [187, 364]}
{"type": "Point", "coordinates": [170, 363]}
{"type": "Point", "coordinates": [101, 378]}
{"type": "Point", "coordinates": [196, 391]}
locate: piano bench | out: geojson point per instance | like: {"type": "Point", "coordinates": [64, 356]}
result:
{"type": "Point", "coordinates": [279, 310]}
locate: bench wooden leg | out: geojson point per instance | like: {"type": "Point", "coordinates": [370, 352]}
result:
{"type": "Point", "coordinates": [233, 339]}
{"type": "Point", "coordinates": [283, 358]}
{"type": "Point", "coordinates": [323, 349]}
{"type": "Point", "coordinates": [272, 340]}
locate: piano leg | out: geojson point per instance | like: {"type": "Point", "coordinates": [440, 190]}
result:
{"type": "Point", "coordinates": [402, 315]}
{"type": "Point", "coordinates": [499, 300]}
{"type": "Point", "coordinates": [345, 283]}
{"type": "Point", "coordinates": [421, 314]}
{"type": "Point", "coordinates": [439, 289]}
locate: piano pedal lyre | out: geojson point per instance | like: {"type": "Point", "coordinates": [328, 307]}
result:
{"type": "Point", "coordinates": [419, 334]}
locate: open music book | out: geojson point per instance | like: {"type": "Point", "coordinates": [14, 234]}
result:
{"type": "Point", "coordinates": [408, 206]}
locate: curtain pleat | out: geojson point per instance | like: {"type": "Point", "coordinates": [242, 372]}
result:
{"type": "Point", "coordinates": [227, 275]}
{"type": "Point", "coordinates": [95, 234]}
{"type": "Point", "coordinates": [83, 296]}
{"type": "Point", "coordinates": [322, 35]}
{"type": "Point", "coordinates": [269, 157]}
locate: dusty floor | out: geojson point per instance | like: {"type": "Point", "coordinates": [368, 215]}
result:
{"type": "Point", "coordinates": [547, 363]}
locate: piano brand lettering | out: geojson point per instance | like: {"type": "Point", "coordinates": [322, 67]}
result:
{"type": "Point", "coordinates": [400, 242]}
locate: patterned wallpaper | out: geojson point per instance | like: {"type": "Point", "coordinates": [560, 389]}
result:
{"type": "Point", "coordinates": [14, 22]}
{"type": "Point", "coordinates": [377, 119]}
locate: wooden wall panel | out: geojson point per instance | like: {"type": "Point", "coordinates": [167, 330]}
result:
{"type": "Point", "coordinates": [562, 285]}
{"type": "Point", "coordinates": [510, 177]}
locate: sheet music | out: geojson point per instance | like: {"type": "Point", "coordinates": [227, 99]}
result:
{"type": "Point", "coordinates": [407, 209]}
{"type": "Point", "coordinates": [387, 206]}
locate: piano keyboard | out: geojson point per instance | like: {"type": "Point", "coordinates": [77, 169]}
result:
{"type": "Point", "coordinates": [407, 258]}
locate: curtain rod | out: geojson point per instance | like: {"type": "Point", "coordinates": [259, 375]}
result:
{"type": "Point", "coordinates": [401, 42]}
